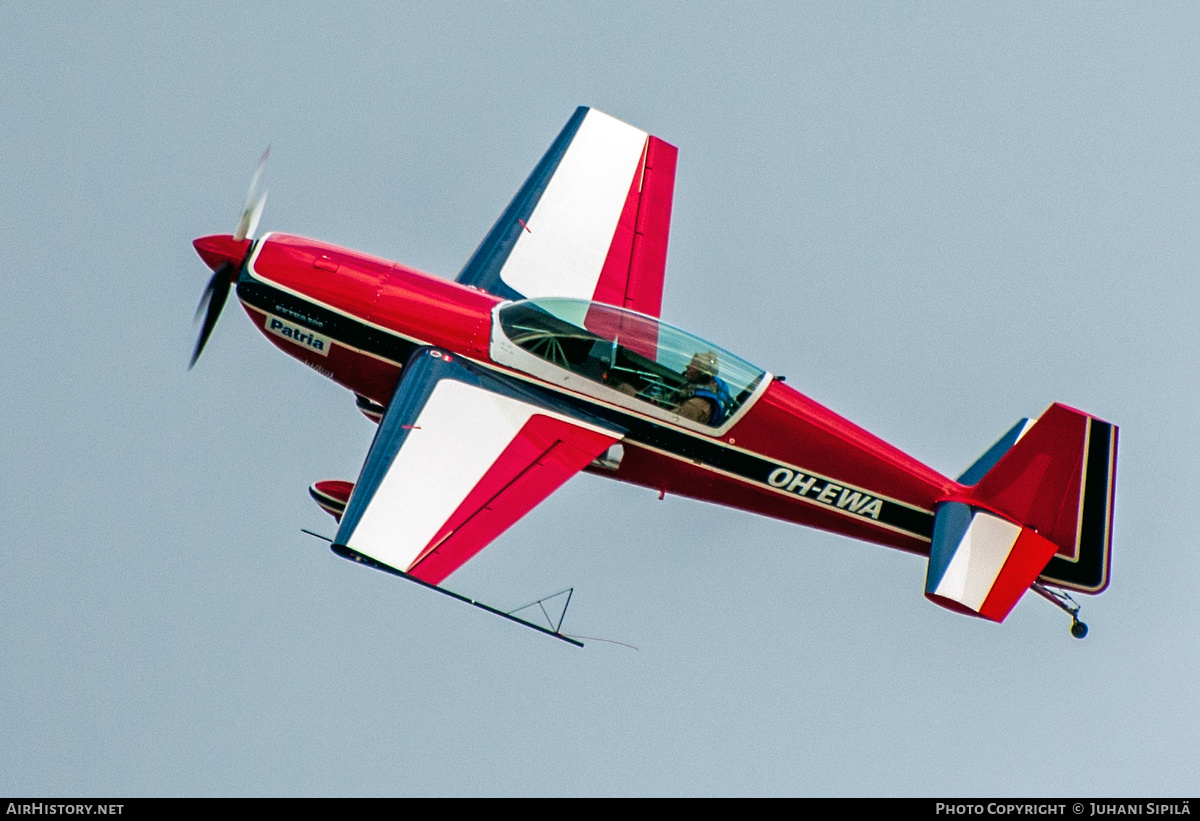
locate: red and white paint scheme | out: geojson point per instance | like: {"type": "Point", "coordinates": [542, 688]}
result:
{"type": "Point", "coordinates": [546, 356]}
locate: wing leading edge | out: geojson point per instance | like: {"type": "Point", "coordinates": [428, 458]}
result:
{"type": "Point", "coordinates": [460, 455]}
{"type": "Point", "coordinates": [592, 221]}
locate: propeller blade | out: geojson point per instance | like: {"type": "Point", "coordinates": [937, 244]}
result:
{"type": "Point", "coordinates": [252, 210]}
{"type": "Point", "coordinates": [213, 299]}
{"type": "Point", "coordinates": [256, 214]}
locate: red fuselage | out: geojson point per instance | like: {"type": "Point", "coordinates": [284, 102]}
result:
{"type": "Point", "coordinates": [356, 319]}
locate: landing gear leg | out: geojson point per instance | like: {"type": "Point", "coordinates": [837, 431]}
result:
{"type": "Point", "coordinates": [1064, 602]}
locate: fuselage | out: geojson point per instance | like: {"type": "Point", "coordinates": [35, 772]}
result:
{"type": "Point", "coordinates": [357, 319]}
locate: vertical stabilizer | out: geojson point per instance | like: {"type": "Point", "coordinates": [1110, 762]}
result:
{"type": "Point", "coordinates": [1038, 507]}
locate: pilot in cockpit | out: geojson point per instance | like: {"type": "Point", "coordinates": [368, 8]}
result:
{"type": "Point", "coordinates": [705, 398]}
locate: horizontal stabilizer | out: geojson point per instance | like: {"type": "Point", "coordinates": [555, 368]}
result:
{"type": "Point", "coordinates": [981, 563]}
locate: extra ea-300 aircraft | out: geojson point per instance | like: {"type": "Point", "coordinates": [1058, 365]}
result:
{"type": "Point", "coordinates": [546, 356]}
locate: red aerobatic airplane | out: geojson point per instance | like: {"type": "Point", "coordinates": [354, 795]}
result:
{"type": "Point", "coordinates": [546, 357]}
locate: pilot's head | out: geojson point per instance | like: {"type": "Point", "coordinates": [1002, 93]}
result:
{"type": "Point", "coordinates": [703, 367]}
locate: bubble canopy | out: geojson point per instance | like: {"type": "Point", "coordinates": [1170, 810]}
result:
{"type": "Point", "coordinates": [633, 353]}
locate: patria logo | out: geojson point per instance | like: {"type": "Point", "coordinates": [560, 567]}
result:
{"type": "Point", "coordinates": [294, 333]}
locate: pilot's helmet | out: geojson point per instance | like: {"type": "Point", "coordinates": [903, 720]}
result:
{"type": "Point", "coordinates": [705, 363]}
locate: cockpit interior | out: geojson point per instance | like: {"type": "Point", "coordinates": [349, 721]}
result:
{"type": "Point", "coordinates": [634, 354]}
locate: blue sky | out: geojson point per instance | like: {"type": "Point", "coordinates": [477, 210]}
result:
{"type": "Point", "coordinates": [933, 219]}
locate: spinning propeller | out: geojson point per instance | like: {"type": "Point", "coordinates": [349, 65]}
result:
{"type": "Point", "coordinates": [225, 255]}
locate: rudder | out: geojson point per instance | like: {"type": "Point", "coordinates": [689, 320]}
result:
{"type": "Point", "coordinates": [1037, 507]}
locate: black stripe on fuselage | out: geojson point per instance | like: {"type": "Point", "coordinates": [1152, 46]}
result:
{"type": "Point", "coordinates": [822, 492]}
{"type": "Point", "coordinates": [1089, 570]}
{"type": "Point", "coordinates": [349, 332]}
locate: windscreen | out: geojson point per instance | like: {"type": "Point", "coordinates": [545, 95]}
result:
{"type": "Point", "coordinates": [634, 354]}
